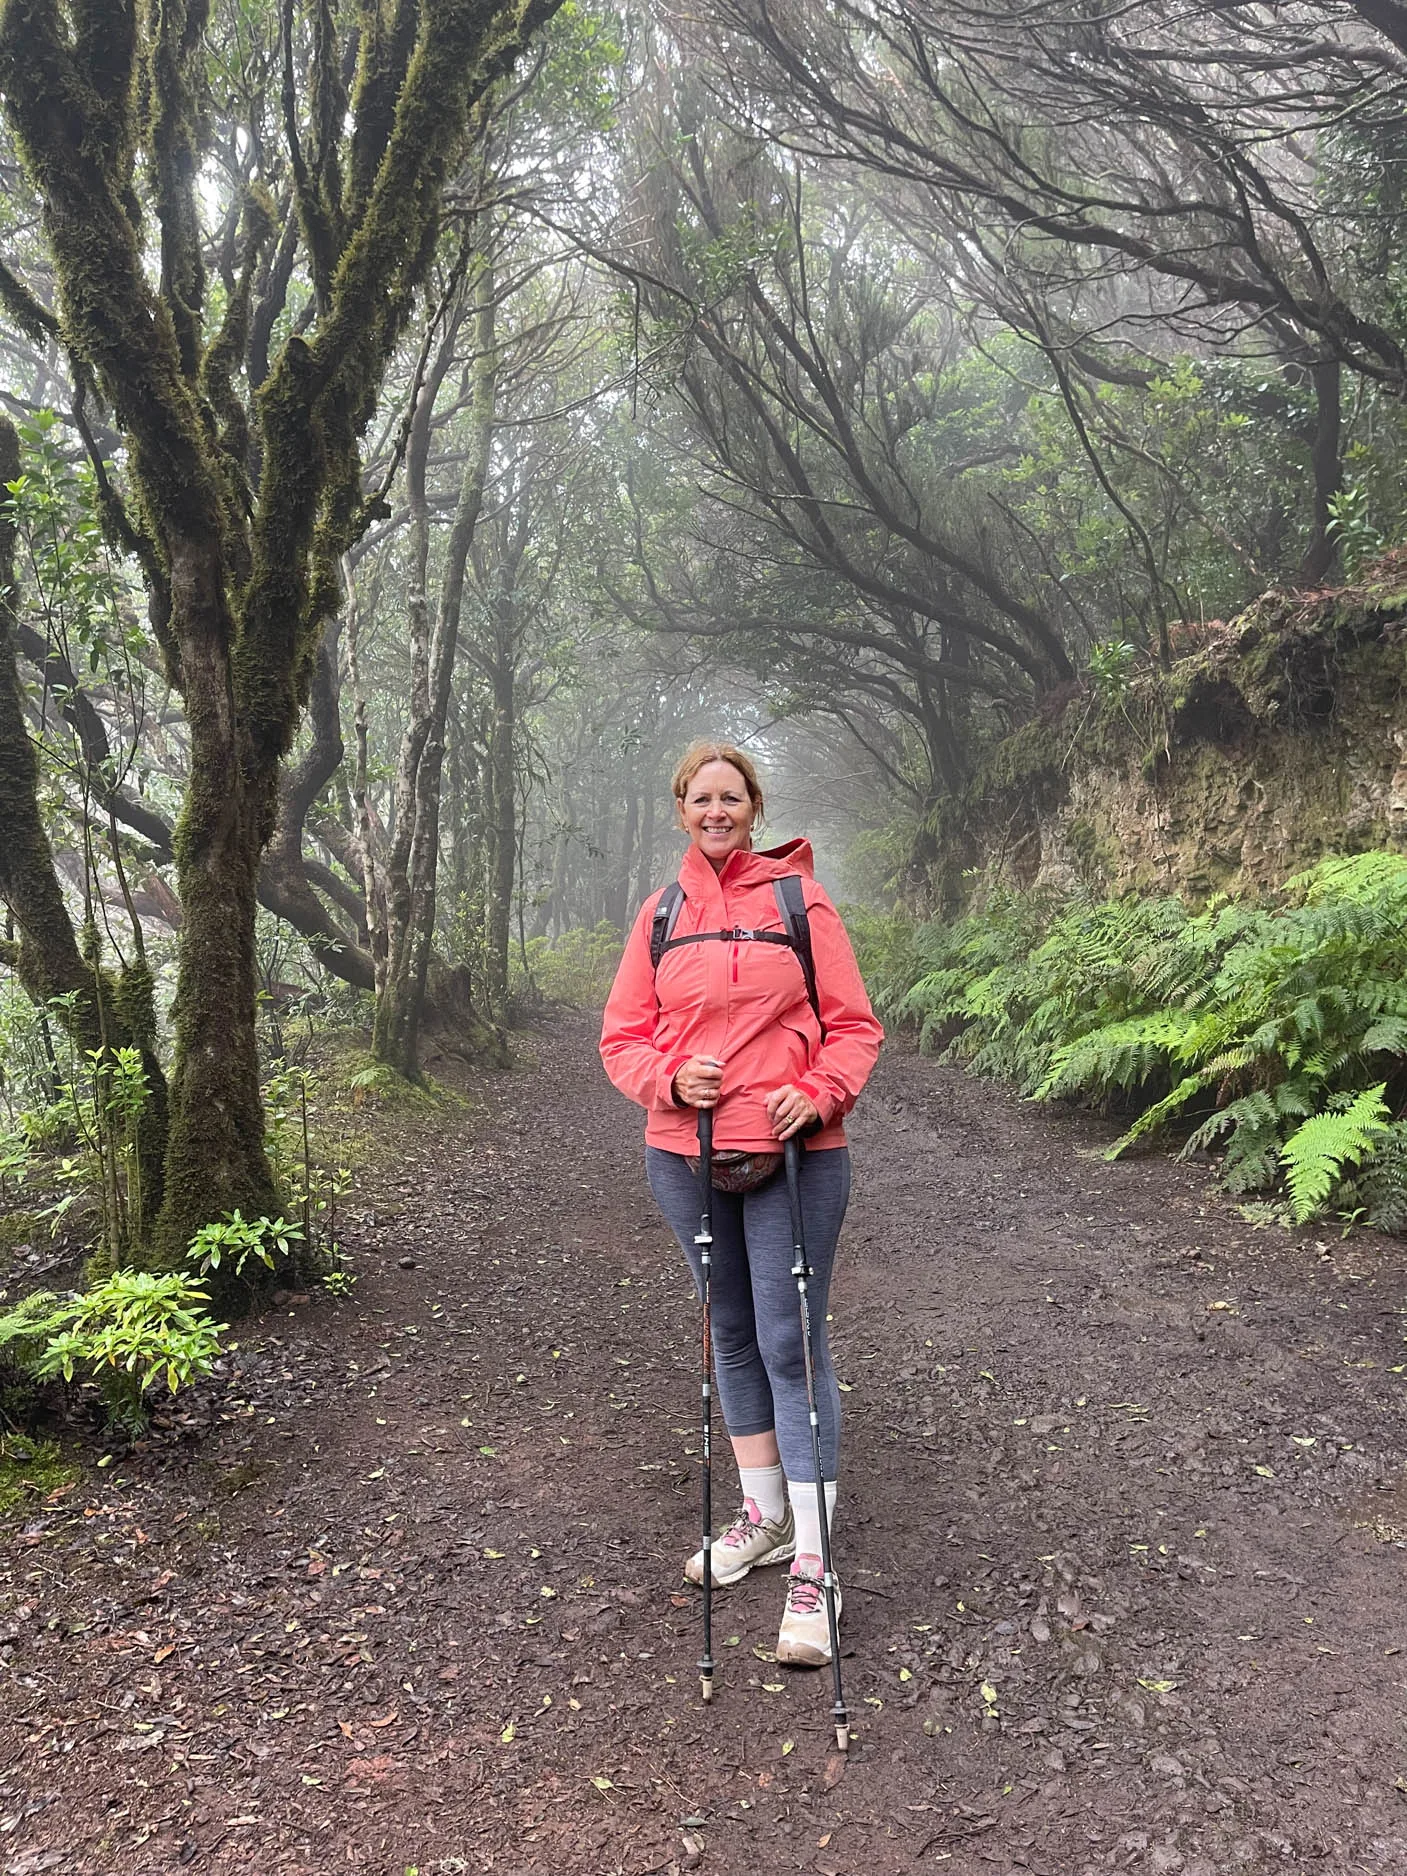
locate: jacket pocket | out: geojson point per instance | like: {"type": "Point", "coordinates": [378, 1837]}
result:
{"type": "Point", "coordinates": [806, 1038]}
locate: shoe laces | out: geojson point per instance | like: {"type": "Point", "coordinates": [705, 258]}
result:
{"type": "Point", "coordinates": [740, 1531]}
{"type": "Point", "coordinates": [803, 1594]}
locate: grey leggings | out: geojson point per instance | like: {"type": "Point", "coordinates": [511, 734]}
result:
{"type": "Point", "coordinates": [757, 1343]}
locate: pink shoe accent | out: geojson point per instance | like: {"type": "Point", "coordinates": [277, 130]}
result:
{"type": "Point", "coordinates": [738, 1533]}
{"type": "Point", "coordinates": [805, 1586]}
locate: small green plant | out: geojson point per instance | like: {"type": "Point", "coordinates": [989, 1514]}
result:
{"type": "Point", "coordinates": [74, 1176]}
{"type": "Point", "coordinates": [1111, 667]}
{"type": "Point", "coordinates": [1359, 542]}
{"type": "Point", "coordinates": [98, 1110]}
{"type": "Point", "coordinates": [313, 1187]}
{"type": "Point", "coordinates": [231, 1241]}
{"type": "Point", "coordinates": [1263, 1212]}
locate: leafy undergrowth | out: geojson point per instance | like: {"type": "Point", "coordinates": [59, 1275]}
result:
{"type": "Point", "coordinates": [576, 968]}
{"type": "Point", "coordinates": [1274, 1034]}
{"type": "Point", "coordinates": [80, 1330]}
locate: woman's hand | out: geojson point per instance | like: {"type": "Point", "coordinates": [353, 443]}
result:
{"type": "Point", "coordinates": [790, 1111]}
{"type": "Point", "coordinates": [699, 1082]}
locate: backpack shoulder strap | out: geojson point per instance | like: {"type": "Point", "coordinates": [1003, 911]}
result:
{"type": "Point", "coordinates": [666, 915]}
{"type": "Point", "coordinates": [791, 903]}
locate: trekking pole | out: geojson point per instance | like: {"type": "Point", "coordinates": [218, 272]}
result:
{"type": "Point", "coordinates": [791, 1149]}
{"type": "Point", "coordinates": [703, 1238]}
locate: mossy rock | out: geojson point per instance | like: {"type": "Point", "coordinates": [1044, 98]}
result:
{"type": "Point", "coordinates": [1029, 759]}
{"type": "Point", "coordinates": [17, 1228]}
{"type": "Point", "coordinates": [367, 1083]}
{"type": "Point", "coordinates": [30, 1470]}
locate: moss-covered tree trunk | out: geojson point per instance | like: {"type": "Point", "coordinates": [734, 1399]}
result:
{"type": "Point", "coordinates": [215, 1156]}
{"type": "Point", "coordinates": [46, 956]}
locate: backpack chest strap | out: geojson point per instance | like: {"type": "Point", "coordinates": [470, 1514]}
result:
{"type": "Point", "coordinates": [738, 935]}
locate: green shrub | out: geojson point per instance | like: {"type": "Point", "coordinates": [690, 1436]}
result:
{"type": "Point", "coordinates": [127, 1335]}
{"type": "Point", "coordinates": [292, 1098]}
{"type": "Point", "coordinates": [576, 968]}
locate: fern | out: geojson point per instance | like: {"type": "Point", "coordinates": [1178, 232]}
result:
{"type": "Point", "coordinates": [1317, 1151]}
{"type": "Point", "coordinates": [1386, 1036]}
{"type": "Point", "coordinates": [1283, 1014]}
{"type": "Point", "coordinates": [1379, 1188]}
{"type": "Point", "coordinates": [31, 1319]}
{"type": "Point", "coordinates": [25, 1332]}
{"type": "Point", "coordinates": [1121, 1055]}
{"type": "Point", "coordinates": [1350, 877]}
{"type": "Point", "coordinates": [1252, 1126]}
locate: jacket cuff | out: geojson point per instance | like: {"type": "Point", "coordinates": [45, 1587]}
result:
{"type": "Point", "coordinates": [824, 1103]}
{"type": "Point", "coordinates": [665, 1086]}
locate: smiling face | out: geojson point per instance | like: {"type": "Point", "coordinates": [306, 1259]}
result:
{"type": "Point", "coordinates": [716, 811]}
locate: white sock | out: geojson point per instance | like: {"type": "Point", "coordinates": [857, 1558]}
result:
{"type": "Point", "coordinates": [807, 1512]}
{"type": "Point", "coordinates": [767, 1488]}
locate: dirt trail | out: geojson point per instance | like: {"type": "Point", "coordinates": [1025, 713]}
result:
{"type": "Point", "coordinates": [1124, 1539]}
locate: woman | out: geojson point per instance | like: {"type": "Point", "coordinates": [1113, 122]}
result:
{"type": "Point", "coordinates": [726, 1022]}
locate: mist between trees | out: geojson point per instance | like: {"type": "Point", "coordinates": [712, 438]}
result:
{"type": "Point", "coordinates": [422, 421]}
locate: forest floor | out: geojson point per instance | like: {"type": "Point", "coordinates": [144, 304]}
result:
{"type": "Point", "coordinates": [1123, 1537]}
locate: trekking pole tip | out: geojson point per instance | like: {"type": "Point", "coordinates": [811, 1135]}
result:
{"type": "Point", "coordinates": [706, 1687]}
{"type": "Point", "coordinates": [842, 1735]}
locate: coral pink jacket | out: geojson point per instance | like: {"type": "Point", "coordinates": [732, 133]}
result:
{"type": "Point", "coordinates": [743, 1002]}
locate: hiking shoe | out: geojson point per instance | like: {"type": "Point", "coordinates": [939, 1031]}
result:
{"type": "Point", "coordinates": [804, 1640]}
{"type": "Point", "coordinates": [749, 1541]}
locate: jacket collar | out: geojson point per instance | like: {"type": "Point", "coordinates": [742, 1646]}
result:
{"type": "Point", "coordinates": [742, 869]}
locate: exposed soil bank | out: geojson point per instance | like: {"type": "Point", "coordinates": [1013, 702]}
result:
{"type": "Point", "coordinates": [1277, 737]}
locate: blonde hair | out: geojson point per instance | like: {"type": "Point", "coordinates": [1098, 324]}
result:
{"type": "Point", "coordinates": [698, 754]}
